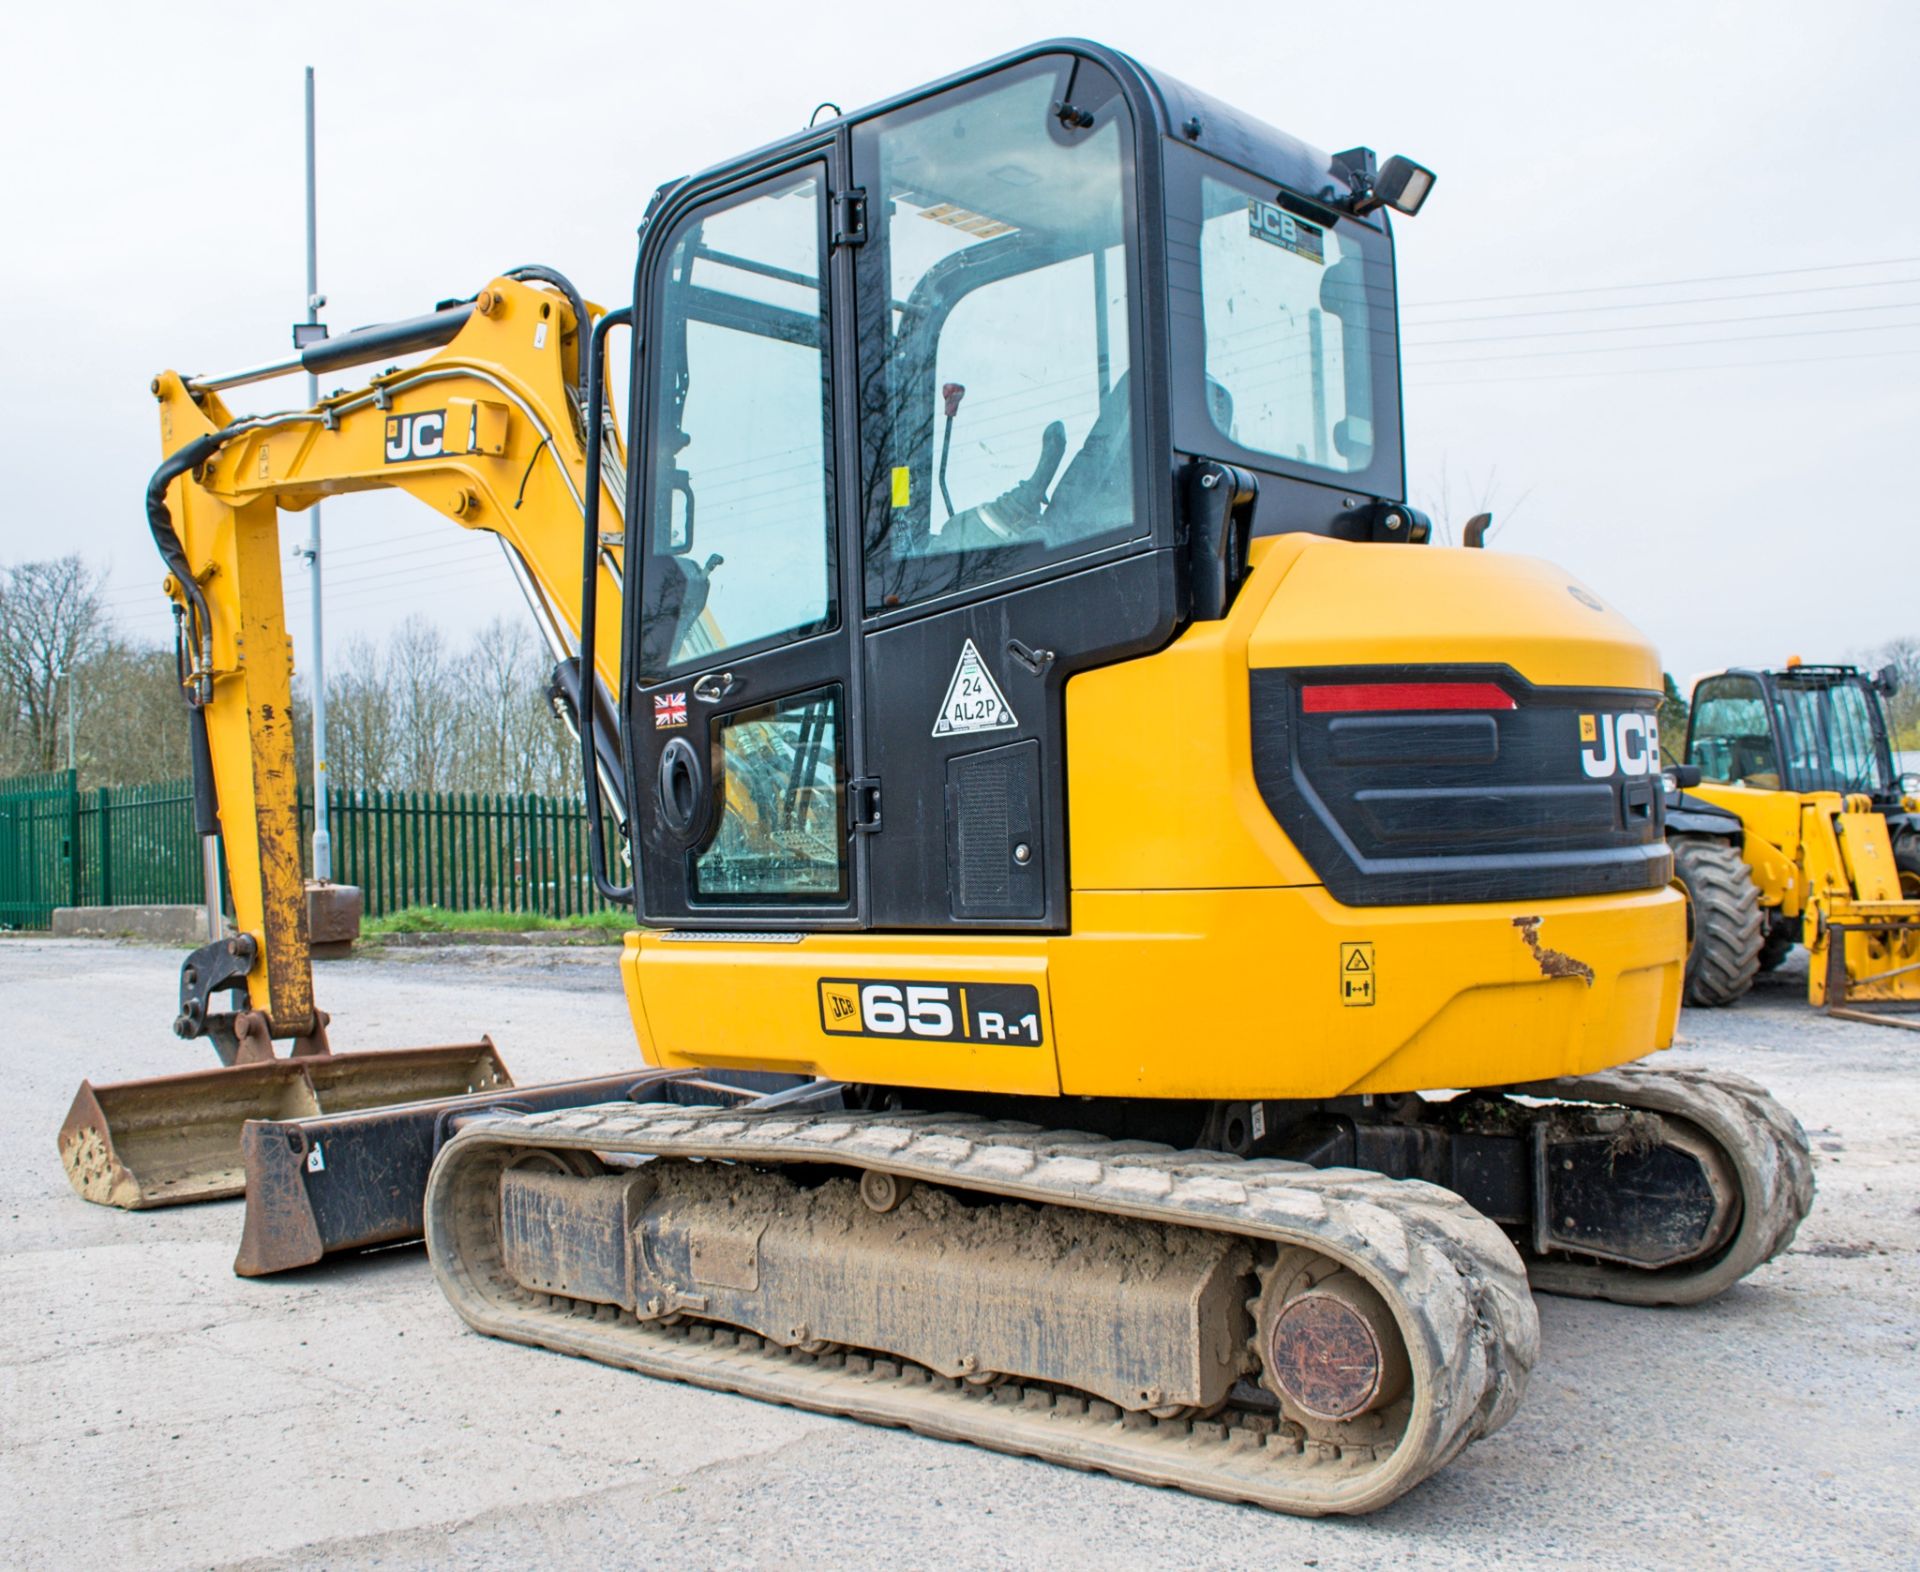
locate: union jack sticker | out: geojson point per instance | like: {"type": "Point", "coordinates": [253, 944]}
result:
{"type": "Point", "coordinates": [670, 709]}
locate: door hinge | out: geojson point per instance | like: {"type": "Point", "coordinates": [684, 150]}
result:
{"type": "Point", "coordinates": [863, 797]}
{"type": "Point", "coordinates": [850, 217]}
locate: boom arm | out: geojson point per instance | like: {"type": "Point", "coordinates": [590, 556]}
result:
{"type": "Point", "coordinates": [490, 431]}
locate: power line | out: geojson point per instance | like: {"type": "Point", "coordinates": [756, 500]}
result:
{"type": "Point", "coordinates": [1658, 305]}
{"type": "Point", "coordinates": [1656, 327]}
{"type": "Point", "coordinates": [1683, 343]}
{"type": "Point", "coordinates": [1667, 283]}
{"type": "Point", "coordinates": [1655, 371]}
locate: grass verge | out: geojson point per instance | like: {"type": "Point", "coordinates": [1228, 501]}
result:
{"type": "Point", "coordinates": [436, 919]}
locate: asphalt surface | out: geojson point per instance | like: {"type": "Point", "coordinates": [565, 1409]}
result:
{"type": "Point", "coordinates": [156, 1411]}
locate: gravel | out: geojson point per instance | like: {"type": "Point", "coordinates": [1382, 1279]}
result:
{"type": "Point", "coordinates": [156, 1411]}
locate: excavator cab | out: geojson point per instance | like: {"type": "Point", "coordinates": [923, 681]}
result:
{"type": "Point", "coordinates": [946, 417]}
{"type": "Point", "coordinates": [937, 406]}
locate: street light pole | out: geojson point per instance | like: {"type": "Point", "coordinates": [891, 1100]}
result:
{"type": "Point", "coordinates": [65, 674]}
{"type": "Point", "coordinates": [322, 840]}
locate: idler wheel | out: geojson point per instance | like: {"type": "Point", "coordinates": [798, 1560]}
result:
{"type": "Point", "coordinates": [1327, 1341]}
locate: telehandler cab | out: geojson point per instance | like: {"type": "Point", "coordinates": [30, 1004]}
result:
{"type": "Point", "coordinates": [1809, 836]}
{"type": "Point", "coordinates": [1039, 722]}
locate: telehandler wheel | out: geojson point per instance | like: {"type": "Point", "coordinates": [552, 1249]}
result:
{"type": "Point", "coordinates": [1724, 927]}
{"type": "Point", "coordinates": [1906, 857]}
{"type": "Point", "coordinates": [1782, 934]}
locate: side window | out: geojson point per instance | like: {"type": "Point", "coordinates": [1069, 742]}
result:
{"type": "Point", "coordinates": [1289, 307]}
{"type": "Point", "coordinates": [779, 836]}
{"type": "Point", "coordinates": [1731, 740]}
{"type": "Point", "coordinates": [997, 416]}
{"type": "Point", "coordinates": [740, 554]}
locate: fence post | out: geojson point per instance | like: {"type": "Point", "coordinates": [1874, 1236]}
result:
{"type": "Point", "coordinates": [74, 862]}
{"type": "Point", "coordinates": [106, 846]}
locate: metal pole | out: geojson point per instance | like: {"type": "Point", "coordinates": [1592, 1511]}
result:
{"type": "Point", "coordinates": [322, 840]}
{"type": "Point", "coordinates": [210, 877]}
{"type": "Point", "coordinates": [71, 718]}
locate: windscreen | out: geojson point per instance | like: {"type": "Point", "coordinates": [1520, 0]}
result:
{"type": "Point", "coordinates": [1830, 739]}
{"type": "Point", "coordinates": [1298, 314]}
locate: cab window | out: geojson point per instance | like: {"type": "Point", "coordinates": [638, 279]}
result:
{"type": "Point", "coordinates": [740, 554]}
{"type": "Point", "coordinates": [1730, 739]}
{"type": "Point", "coordinates": [998, 401]}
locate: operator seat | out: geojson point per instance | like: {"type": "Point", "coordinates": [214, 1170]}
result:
{"type": "Point", "coordinates": [1096, 492]}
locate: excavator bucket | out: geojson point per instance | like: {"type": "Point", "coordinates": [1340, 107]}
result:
{"type": "Point", "coordinates": [171, 1139]}
{"type": "Point", "coordinates": [355, 1180]}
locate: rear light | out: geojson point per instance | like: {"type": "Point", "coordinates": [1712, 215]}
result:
{"type": "Point", "coordinates": [1332, 698]}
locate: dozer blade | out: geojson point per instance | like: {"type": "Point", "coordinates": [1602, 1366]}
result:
{"type": "Point", "coordinates": [170, 1139]}
{"type": "Point", "coordinates": [350, 1181]}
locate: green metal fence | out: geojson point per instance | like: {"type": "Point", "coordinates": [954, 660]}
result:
{"type": "Point", "coordinates": [40, 861]}
{"type": "Point", "coordinates": [465, 851]}
{"type": "Point", "coordinates": [134, 845]}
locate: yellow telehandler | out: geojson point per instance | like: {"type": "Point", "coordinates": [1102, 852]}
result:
{"type": "Point", "coordinates": [1800, 831]}
{"type": "Point", "coordinates": [1040, 726]}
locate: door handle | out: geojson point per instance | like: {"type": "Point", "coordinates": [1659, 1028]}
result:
{"type": "Point", "coordinates": [682, 792]}
{"type": "Point", "coordinates": [717, 685]}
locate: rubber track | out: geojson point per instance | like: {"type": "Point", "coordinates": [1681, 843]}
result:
{"type": "Point", "coordinates": [1454, 1281]}
{"type": "Point", "coordinates": [1771, 1162]}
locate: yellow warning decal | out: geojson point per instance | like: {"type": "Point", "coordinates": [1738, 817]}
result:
{"type": "Point", "coordinates": [902, 485]}
{"type": "Point", "coordinates": [1356, 973]}
{"type": "Point", "coordinates": [1589, 732]}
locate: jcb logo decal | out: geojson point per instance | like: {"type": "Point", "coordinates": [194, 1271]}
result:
{"type": "Point", "coordinates": [421, 436]}
{"type": "Point", "coordinates": [1624, 744]}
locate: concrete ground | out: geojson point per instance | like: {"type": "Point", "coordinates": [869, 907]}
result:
{"type": "Point", "coordinates": [156, 1411]}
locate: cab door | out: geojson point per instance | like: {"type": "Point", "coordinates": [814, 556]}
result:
{"type": "Point", "coordinates": [741, 694]}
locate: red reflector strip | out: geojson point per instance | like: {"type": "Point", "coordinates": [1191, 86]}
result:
{"type": "Point", "coordinates": [1333, 697]}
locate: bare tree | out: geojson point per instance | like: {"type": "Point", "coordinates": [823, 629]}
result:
{"type": "Point", "coordinates": [510, 739]}
{"type": "Point", "coordinates": [51, 623]}
{"type": "Point", "coordinates": [1455, 498]}
{"type": "Point", "coordinates": [1903, 708]}
{"type": "Point", "coordinates": [427, 702]}
{"type": "Point", "coordinates": [363, 732]}
{"type": "Point", "coordinates": [406, 713]}
{"type": "Point", "coordinates": [132, 718]}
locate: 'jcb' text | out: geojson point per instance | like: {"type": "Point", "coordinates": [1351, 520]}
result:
{"type": "Point", "coordinates": [421, 436]}
{"type": "Point", "coordinates": [1625, 744]}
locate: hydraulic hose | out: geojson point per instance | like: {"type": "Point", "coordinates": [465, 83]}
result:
{"type": "Point", "coordinates": [560, 281]}
{"type": "Point", "coordinates": [167, 539]}
{"type": "Point", "coordinates": [587, 704]}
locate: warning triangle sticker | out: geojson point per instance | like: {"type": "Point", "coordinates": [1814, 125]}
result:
{"type": "Point", "coordinates": [974, 701]}
{"type": "Point", "coordinates": [1358, 962]}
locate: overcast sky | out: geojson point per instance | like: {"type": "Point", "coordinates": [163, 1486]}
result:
{"type": "Point", "coordinates": [1662, 312]}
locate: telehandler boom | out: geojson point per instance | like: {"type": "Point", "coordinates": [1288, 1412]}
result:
{"type": "Point", "coordinates": [1041, 721]}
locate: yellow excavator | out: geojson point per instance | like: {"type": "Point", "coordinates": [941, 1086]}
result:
{"type": "Point", "coordinates": [1210, 952]}
{"type": "Point", "coordinates": [1796, 828]}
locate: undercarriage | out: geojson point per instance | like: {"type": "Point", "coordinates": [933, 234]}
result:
{"type": "Point", "coordinates": [1313, 1327]}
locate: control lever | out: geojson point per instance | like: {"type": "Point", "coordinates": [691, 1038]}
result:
{"type": "Point", "coordinates": [950, 396]}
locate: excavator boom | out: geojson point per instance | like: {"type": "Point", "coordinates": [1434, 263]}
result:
{"type": "Point", "coordinates": [490, 430]}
